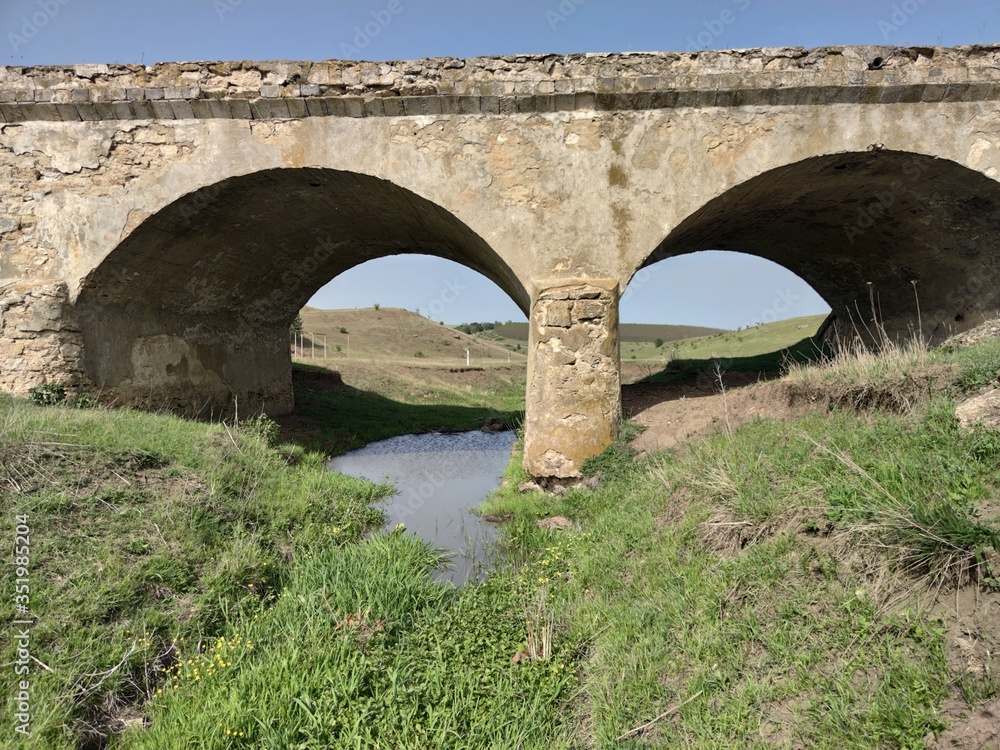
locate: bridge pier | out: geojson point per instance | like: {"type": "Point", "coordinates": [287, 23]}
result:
{"type": "Point", "coordinates": [573, 402]}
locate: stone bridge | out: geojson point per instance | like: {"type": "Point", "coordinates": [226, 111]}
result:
{"type": "Point", "coordinates": [161, 226]}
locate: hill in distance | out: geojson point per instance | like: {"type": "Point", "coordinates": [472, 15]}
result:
{"type": "Point", "coordinates": [392, 334]}
{"type": "Point", "coordinates": [627, 332]}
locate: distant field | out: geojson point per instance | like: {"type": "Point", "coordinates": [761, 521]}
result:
{"type": "Point", "coordinates": [627, 331]}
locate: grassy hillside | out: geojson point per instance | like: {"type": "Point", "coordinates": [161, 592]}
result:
{"type": "Point", "coordinates": [628, 332]}
{"type": "Point", "coordinates": [749, 342]}
{"type": "Point", "coordinates": [767, 348]}
{"type": "Point", "coordinates": [397, 336]}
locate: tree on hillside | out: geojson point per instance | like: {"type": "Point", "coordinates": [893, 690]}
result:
{"type": "Point", "coordinates": [297, 324]}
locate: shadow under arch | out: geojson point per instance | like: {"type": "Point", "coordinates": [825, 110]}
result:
{"type": "Point", "coordinates": [191, 311]}
{"type": "Point", "coordinates": [886, 218]}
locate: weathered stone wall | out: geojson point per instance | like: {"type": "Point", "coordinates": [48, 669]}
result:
{"type": "Point", "coordinates": [188, 209]}
{"type": "Point", "coordinates": [573, 408]}
{"type": "Point", "coordinates": [528, 83]}
{"type": "Point", "coordinates": [39, 341]}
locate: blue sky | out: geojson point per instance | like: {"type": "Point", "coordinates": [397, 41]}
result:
{"type": "Point", "coordinates": [705, 288]}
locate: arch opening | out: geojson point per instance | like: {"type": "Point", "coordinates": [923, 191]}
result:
{"type": "Point", "coordinates": [191, 311]}
{"type": "Point", "coordinates": [696, 322]}
{"type": "Point", "coordinates": [896, 226]}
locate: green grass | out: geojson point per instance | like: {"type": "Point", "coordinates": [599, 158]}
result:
{"type": "Point", "coordinates": [146, 529]}
{"type": "Point", "coordinates": [760, 587]}
{"type": "Point", "coordinates": [978, 366]}
{"type": "Point", "coordinates": [361, 648]}
{"type": "Point", "coordinates": [770, 579]}
{"type": "Point", "coordinates": [170, 553]}
{"type": "Point", "coordinates": [899, 374]}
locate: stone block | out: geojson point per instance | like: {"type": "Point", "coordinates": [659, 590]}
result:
{"type": "Point", "coordinates": [201, 108]}
{"type": "Point", "coordinates": [123, 111]}
{"type": "Point", "coordinates": [182, 109]}
{"type": "Point", "coordinates": [297, 108]}
{"type": "Point", "coordinates": [316, 107]}
{"type": "Point", "coordinates": [68, 112]}
{"type": "Point", "coordinates": [354, 106]}
{"type": "Point", "coordinates": [557, 315]}
{"type": "Point", "coordinates": [239, 109]}
{"type": "Point", "coordinates": [143, 110]}
{"type": "Point", "coordinates": [162, 110]}
{"type": "Point", "coordinates": [589, 310]}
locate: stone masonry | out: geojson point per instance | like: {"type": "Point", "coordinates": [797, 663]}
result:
{"type": "Point", "coordinates": [161, 225]}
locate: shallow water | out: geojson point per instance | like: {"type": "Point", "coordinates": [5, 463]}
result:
{"type": "Point", "coordinates": [438, 479]}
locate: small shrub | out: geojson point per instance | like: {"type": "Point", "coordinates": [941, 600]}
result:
{"type": "Point", "coordinates": [344, 330]}
{"type": "Point", "coordinates": [49, 394]}
{"type": "Point", "coordinates": [376, 305]}
{"type": "Point", "coordinates": [418, 354]}
{"type": "Point", "coordinates": [85, 401]}
{"type": "Point", "coordinates": [339, 348]}
{"type": "Point", "coordinates": [264, 428]}
{"type": "Point", "coordinates": [658, 343]}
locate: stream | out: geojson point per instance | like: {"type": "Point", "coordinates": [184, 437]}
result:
{"type": "Point", "coordinates": [439, 478]}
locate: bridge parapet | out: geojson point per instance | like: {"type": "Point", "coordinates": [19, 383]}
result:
{"type": "Point", "coordinates": [499, 85]}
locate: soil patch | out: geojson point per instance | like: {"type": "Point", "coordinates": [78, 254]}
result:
{"type": "Point", "coordinates": [675, 413]}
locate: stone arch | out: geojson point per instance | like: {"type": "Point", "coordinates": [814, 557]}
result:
{"type": "Point", "coordinates": [191, 310]}
{"type": "Point", "coordinates": [842, 221]}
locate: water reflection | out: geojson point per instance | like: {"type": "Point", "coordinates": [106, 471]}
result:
{"type": "Point", "coordinates": [439, 479]}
